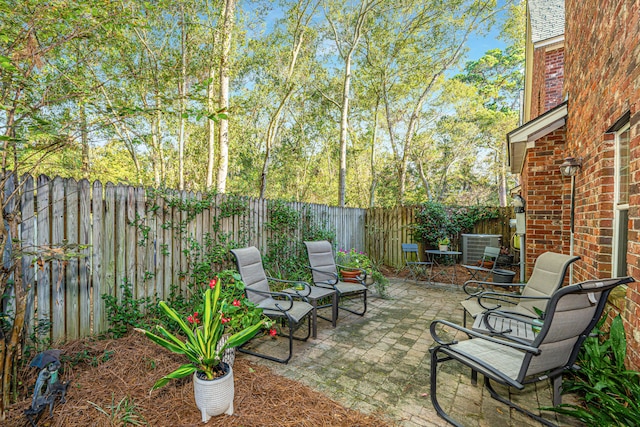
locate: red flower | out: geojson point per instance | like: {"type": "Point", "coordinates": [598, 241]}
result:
{"type": "Point", "coordinates": [273, 332]}
{"type": "Point", "coordinates": [212, 283]}
{"type": "Point", "coordinates": [226, 320]}
{"type": "Point", "coordinates": [193, 318]}
{"type": "Point", "coordinates": [236, 303]}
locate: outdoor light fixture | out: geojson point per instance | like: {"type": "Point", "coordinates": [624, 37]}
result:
{"type": "Point", "coordinates": [518, 203]}
{"type": "Point", "coordinates": [570, 166]}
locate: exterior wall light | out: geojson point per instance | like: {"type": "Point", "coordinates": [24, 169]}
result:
{"type": "Point", "coordinates": [570, 166]}
{"type": "Point", "coordinates": [518, 203]}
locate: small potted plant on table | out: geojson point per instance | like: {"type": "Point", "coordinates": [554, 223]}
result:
{"type": "Point", "coordinates": [443, 243]}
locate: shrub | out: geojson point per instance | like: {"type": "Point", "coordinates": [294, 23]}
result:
{"type": "Point", "coordinates": [610, 391]}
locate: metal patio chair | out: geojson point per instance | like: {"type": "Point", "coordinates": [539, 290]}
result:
{"type": "Point", "coordinates": [412, 261]}
{"type": "Point", "coordinates": [324, 271]}
{"type": "Point", "coordinates": [276, 305]}
{"type": "Point", "coordinates": [481, 271]}
{"type": "Point", "coordinates": [547, 276]}
{"type": "Point", "coordinates": [571, 315]}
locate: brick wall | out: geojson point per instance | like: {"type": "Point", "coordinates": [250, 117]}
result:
{"type": "Point", "coordinates": [602, 78]}
{"type": "Point", "coordinates": [547, 80]}
{"type": "Point", "coordinates": [553, 77]}
{"type": "Point", "coordinates": [547, 196]}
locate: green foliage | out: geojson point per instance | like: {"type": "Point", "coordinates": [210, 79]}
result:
{"type": "Point", "coordinates": [609, 390]}
{"type": "Point", "coordinates": [431, 223]}
{"type": "Point", "coordinates": [125, 313]}
{"type": "Point", "coordinates": [203, 331]}
{"type": "Point", "coordinates": [286, 257]}
{"type": "Point", "coordinates": [357, 259]}
{"type": "Point", "coordinates": [123, 413]}
{"type": "Point", "coordinates": [85, 356]}
{"type": "Point", "coordinates": [435, 222]}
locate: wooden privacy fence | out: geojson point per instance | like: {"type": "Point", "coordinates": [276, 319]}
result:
{"type": "Point", "coordinates": [387, 229]}
{"type": "Point", "coordinates": [124, 233]}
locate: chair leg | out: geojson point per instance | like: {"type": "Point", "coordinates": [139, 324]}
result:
{"type": "Point", "coordinates": [359, 313]}
{"type": "Point", "coordinates": [290, 337]}
{"type": "Point", "coordinates": [495, 395]}
{"type": "Point", "coordinates": [434, 386]}
{"type": "Point", "coordinates": [557, 390]}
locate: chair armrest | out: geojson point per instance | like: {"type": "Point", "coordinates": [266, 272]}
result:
{"type": "Point", "coordinates": [518, 317]}
{"type": "Point", "coordinates": [284, 295]}
{"type": "Point", "coordinates": [301, 293]}
{"type": "Point", "coordinates": [482, 286]}
{"type": "Point", "coordinates": [504, 298]}
{"type": "Point", "coordinates": [476, 335]}
{"type": "Point", "coordinates": [330, 273]}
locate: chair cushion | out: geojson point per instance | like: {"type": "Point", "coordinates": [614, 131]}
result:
{"type": "Point", "coordinates": [350, 288]}
{"type": "Point", "coordinates": [297, 311]}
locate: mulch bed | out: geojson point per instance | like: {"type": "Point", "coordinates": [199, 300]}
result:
{"type": "Point", "coordinates": [116, 376]}
{"type": "Point", "coordinates": [462, 274]}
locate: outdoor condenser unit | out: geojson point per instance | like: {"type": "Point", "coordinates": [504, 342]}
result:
{"type": "Point", "coordinates": [473, 246]}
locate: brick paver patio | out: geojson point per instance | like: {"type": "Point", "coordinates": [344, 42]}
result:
{"type": "Point", "coordinates": [379, 363]}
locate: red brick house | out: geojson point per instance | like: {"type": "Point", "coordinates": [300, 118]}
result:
{"type": "Point", "coordinates": [582, 100]}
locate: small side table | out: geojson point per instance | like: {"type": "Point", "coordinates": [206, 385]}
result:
{"type": "Point", "coordinates": [318, 293]}
{"type": "Point", "coordinates": [433, 254]}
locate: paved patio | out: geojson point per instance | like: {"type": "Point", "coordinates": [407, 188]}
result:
{"type": "Point", "coordinates": [379, 363]}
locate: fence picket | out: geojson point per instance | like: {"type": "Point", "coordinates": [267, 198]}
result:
{"type": "Point", "coordinates": [57, 266]}
{"type": "Point", "coordinates": [72, 294]}
{"type": "Point", "coordinates": [28, 237]}
{"type": "Point", "coordinates": [129, 236]}
{"type": "Point", "coordinates": [97, 260]}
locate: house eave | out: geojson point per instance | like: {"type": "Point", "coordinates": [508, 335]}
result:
{"type": "Point", "coordinates": [523, 138]}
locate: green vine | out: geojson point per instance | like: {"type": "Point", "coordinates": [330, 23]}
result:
{"type": "Point", "coordinates": [434, 221]}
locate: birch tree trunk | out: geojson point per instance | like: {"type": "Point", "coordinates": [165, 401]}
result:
{"type": "Point", "coordinates": [211, 128]}
{"type": "Point", "coordinates": [182, 88]}
{"type": "Point", "coordinates": [223, 135]}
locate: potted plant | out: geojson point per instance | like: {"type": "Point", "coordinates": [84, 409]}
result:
{"type": "Point", "coordinates": [204, 347]}
{"type": "Point", "coordinates": [443, 243]}
{"type": "Point", "coordinates": [355, 263]}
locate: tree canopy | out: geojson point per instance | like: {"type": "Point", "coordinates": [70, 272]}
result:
{"type": "Point", "coordinates": [357, 103]}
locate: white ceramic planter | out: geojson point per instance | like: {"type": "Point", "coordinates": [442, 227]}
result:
{"type": "Point", "coordinates": [214, 397]}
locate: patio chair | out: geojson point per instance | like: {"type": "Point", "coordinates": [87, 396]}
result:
{"type": "Point", "coordinates": [547, 276]}
{"type": "Point", "coordinates": [481, 271]}
{"type": "Point", "coordinates": [412, 261]}
{"type": "Point", "coordinates": [572, 313]}
{"type": "Point", "coordinates": [324, 271]}
{"type": "Point", "coordinates": [276, 305]}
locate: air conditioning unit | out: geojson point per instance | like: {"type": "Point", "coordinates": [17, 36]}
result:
{"type": "Point", "coordinates": [473, 246]}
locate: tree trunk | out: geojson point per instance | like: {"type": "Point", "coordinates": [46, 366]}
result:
{"type": "Point", "coordinates": [182, 88]}
{"type": "Point", "coordinates": [223, 135]}
{"type": "Point", "coordinates": [84, 139]}
{"type": "Point", "coordinates": [211, 128]}
{"type": "Point", "coordinates": [374, 179]}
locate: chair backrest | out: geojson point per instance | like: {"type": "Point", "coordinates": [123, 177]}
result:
{"type": "Point", "coordinates": [547, 276]}
{"type": "Point", "coordinates": [249, 263]}
{"type": "Point", "coordinates": [491, 255]}
{"type": "Point", "coordinates": [572, 313]}
{"type": "Point", "coordinates": [321, 258]}
{"type": "Point", "coordinates": [409, 249]}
